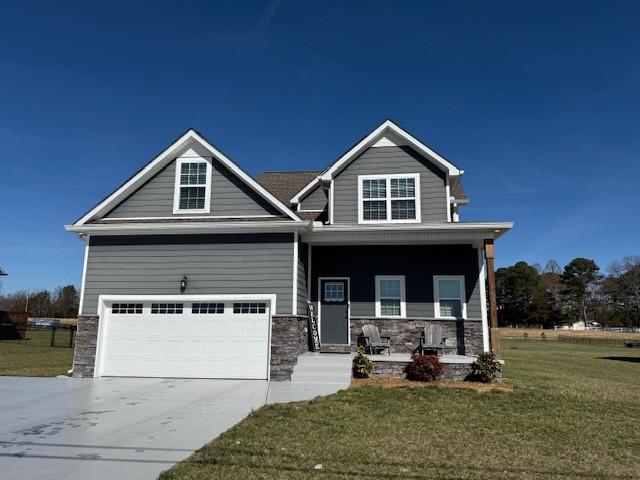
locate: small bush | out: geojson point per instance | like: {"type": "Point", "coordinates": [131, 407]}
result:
{"type": "Point", "coordinates": [424, 368]}
{"type": "Point", "coordinates": [485, 369]}
{"type": "Point", "coordinates": [543, 336]}
{"type": "Point", "coordinates": [362, 366]}
{"type": "Point", "coordinates": [525, 335]}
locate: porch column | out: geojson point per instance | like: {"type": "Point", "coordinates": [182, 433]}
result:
{"type": "Point", "coordinates": [494, 333]}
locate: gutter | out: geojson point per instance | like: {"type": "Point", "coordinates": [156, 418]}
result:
{"type": "Point", "coordinates": [495, 229]}
{"type": "Point", "coordinates": [189, 227]}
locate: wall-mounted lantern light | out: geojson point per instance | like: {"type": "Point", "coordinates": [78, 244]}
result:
{"type": "Point", "coordinates": [183, 283]}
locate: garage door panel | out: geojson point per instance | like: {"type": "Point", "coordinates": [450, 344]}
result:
{"type": "Point", "coordinates": [187, 344]}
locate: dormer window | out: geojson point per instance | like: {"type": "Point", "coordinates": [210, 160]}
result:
{"type": "Point", "coordinates": [389, 198]}
{"type": "Point", "coordinates": [193, 186]}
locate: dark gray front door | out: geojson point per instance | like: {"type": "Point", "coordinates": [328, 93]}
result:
{"type": "Point", "coordinates": [334, 311]}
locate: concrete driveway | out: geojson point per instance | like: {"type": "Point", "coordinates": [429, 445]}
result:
{"type": "Point", "coordinates": [133, 428]}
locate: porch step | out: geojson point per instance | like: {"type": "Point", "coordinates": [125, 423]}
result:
{"type": "Point", "coordinates": [322, 368]}
{"type": "Point", "coordinates": [329, 348]}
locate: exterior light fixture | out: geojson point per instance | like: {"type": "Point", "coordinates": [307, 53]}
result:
{"type": "Point", "coordinates": [183, 283]}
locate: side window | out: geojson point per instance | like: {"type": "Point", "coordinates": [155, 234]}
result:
{"type": "Point", "coordinates": [249, 307]}
{"type": "Point", "coordinates": [216, 308]}
{"type": "Point", "coordinates": [166, 308]}
{"type": "Point", "coordinates": [449, 296]}
{"type": "Point", "coordinates": [126, 308]}
{"type": "Point", "coordinates": [390, 296]}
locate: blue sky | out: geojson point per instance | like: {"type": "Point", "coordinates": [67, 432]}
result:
{"type": "Point", "coordinates": [539, 103]}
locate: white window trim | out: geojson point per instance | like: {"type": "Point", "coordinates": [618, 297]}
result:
{"type": "Point", "coordinates": [403, 301]}
{"type": "Point", "coordinates": [207, 186]}
{"type": "Point", "coordinates": [436, 295]}
{"type": "Point", "coordinates": [388, 177]}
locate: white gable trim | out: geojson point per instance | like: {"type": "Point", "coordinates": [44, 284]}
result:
{"type": "Point", "coordinates": [385, 142]}
{"type": "Point", "coordinates": [162, 159]}
{"type": "Point", "coordinates": [386, 129]}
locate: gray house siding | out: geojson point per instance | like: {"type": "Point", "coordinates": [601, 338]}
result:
{"type": "Point", "coordinates": [418, 263]}
{"type": "Point", "coordinates": [303, 250]}
{"type": "Point", "coordinates": [213, 264]}
{"type": "Point", "coordinates": [390, 160]}
{"type": "Point", "coordinates": [229, 196]}
{"type": "Point", "coordinates": [316, 200]}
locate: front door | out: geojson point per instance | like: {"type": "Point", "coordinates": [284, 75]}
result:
{"type": "Point", "coordinates": [334, 311]}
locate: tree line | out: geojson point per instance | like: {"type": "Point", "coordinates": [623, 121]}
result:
{"type": "Point", "coordinates": [529, 295]}
{"type": "Point", "coordinates": [62, 302]}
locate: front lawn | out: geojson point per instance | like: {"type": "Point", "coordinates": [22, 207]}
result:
{"type": "Point", "coordinates": [574, 413]}
{"type": "Point", "coordinates": [35, 357]}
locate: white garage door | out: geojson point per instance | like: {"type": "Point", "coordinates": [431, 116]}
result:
{"type": "Point", "coordinates": [195, 339]}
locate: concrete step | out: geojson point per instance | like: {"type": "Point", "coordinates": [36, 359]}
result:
{"type": "Point", "coordinates": [313, 367]}
{"type": "Point", "coordinates": [322, 367]}
{"type": "Point", "coordinates": [328, 348]}
{"type": "Point", "coordinates": [319, 377]}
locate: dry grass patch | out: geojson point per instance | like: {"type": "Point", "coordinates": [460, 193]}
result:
{"type": "Point", "coordinates": [402, 382]}
{"type": "Point", "coordinates": [534, 333]}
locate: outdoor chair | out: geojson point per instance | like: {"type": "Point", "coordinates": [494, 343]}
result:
{"type": "Point", "coordinates": [373, 342]}
{"type": "Point", "coordinates": [432, 339]}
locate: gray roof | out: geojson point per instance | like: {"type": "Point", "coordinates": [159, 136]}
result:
{"type": "Point", "coordinates": [285, 185]}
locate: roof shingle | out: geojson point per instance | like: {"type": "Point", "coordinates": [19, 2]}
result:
{"type": "Point", "coordinates": [284, 185]}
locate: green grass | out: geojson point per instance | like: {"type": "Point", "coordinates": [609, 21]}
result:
{"type": "Point", "coordinates": [573, 414]}
{"type": "Point", "coordinates": [34, 357]}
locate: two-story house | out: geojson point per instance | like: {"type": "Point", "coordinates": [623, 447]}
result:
{"type": "Point", "coordinates": [194, 269]}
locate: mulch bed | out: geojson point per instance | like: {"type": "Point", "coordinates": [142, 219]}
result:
{"type": "Point", "coordinates": [401, 382]}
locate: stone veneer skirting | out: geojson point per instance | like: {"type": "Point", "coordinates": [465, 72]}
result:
{"type": "Point", "coordinates": [450, 371]}
{"type": "Point", "coordinates": [463, 337]}
{"type": "Point", "coordinates": [289, 339]}
{"type": "Point", "coordinates": [84, 356]}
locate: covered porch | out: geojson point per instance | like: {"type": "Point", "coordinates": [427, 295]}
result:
{"type": "Point", "coordinates": [345, 272]}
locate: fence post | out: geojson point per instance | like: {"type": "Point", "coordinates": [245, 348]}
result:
{"type": "Point", "coordinates": [71, 332]}
{"type": "Point", "coordinates": [53, 335]}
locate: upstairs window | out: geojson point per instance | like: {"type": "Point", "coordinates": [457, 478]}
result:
{"type": "Point", "coordinates": [389, 198]}
{"type": "Point", "coordinates": [192, 189]}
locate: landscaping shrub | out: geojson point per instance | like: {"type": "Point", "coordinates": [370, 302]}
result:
{"type": "Point", "coordinates": [362, 366]}
{"type": "Point", "coordinates": [485, 369]}
{"type": "Point", "coordinates": [424, 368]}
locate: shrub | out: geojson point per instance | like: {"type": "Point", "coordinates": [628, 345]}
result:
{"type": "Point", "coordinates": [362, 366]}
{"type": "Point", "coordinates": [424, 368]}
{"type": "Point", "coordinates": [485, 369]}
{"type": "Point", "coordinates": [525, 335]}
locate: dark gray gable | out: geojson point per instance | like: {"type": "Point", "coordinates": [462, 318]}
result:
{"type": "Point", "coordinates": [229, 197]}
{"type": "Point", "coordinates": [316, 199]}
{"type": "Point", "coordinates": [390, 160]}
